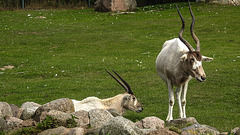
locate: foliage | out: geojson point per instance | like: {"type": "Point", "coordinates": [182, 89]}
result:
{"type": "Point", "coordinates": [47, 123]}
{"type": "Point", "coordinates": [71, 123]}
{"type": "Point", "coordinates": [175, 129]}
{"type": "Point", "coordinates": [66, 54]}
{"type": "Point", "coordinates": [27, 131]}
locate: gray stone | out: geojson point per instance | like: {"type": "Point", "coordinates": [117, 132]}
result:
{"type": "Point", "coordinates": [76, 131]}
{"type": "Point", "coordinates": [98, 117]}
{"type": "Point", "coordinates": [150, 123]}
{"type": "Point", "coordinates": [115, 5]}
{"type": "Point", "coordinates": [30, 105]}
{"type": "Point", "coordinates": [230, 2]}
{"type": "Point", "coordinates": [56, 131]}
{"type": "Point", "coordinates": [120, 126]}
{"type": "Point", "coordinates": [5, 110]}
{"type": "Point", "coordinates": [28, 113]}
{"type": "Point", "coordinates": [199, 129]}
{"type": "Point", "coordinates": [29, 123]}
{"type": "Point", "coordinates": [60, 117]}
{"type": "Point", "coordinates": [236, 131]}
{"type": "Point", "coordinates": [14, 109]}
{"type": "Point", "coordinates": [11, 124]}
{"type": "Point", "coordinates": [82, 118]}
{"type": "Point", "coordinates": [161, 131]}
{"type": "Point", "coordinates": [63, 105]}
{"type": "Point", "coordinates": [183, 122]}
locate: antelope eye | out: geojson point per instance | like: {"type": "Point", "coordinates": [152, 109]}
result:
{"type": "Point", "coordinates": [192, 60]}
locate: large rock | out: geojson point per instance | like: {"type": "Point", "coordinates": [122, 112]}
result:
{"type": "Point", "coordinates": [183, 122]}
{"type": "Point", "coordinates": [29, 123]}
{"type": "Point", "coordinates": [115, 5]}
{"type": "Point", "coordinates": [82, 118]}
{"type": "Point", "coordinates": [30, 105]}
{"type": "Point", "coordinates": [236, 131]}
{"type": "Point", "coordinates": [5, 110]}
{"type": "Point", "coordinates": [199, 129]}
{"type": "Point", "coordinates": [28, 113]}
{"type": "Point", "coordinates": [10, 124]}
{"type": "Point", "coordinates": [161, 131]}
{"type": "Point", "coordinates": [63, 105]}
{"type": "Point", "coordinates": [16, 111]}
{"type": "Point", "coordinates": [76, 131]}
{"type": "Point", "coordinates": [56, 131]}
{"type": "Point", "coordinates": [99, 117]}
{"type": "Point", "coordinates": [60, 117]}
{"type": "Point", "coordinates": [120, 126]}
{"type": "Point", "coordinates": [150, 123]}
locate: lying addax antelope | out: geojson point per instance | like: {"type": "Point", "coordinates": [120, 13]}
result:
{"type": "Point", "coordinates": [119, 103]}
{"type": "Point", "coordinates": [177, 63]}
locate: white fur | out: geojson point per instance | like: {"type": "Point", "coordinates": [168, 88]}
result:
{"type": "Point", "coordinates": [119, 103]}
{"type": "Point", "coordinates": [169, 68]}
{"type": "Point", "coordinates": [197, 64]}
{"type": "Point", "coordinates": [88, 104]}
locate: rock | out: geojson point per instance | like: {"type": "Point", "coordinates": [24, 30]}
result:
{"type": "Point", "coordinates": [162, 131]}
{"type": "Point", "coordinates": [29, 123]}
{"type": "Point", "coordinates": [11, 124]}
{"type": "Point", "coordinates": [28, 113]}
{"type": "Point", "coordinates": [183, 122]}
{"type": "Point", "coordinates": [76, 131]}
{"type": "Point", "coordinates": [236, 131]}
{"type": "Point", "coordinates": [115, 5]}
{"type": "Point", "coordinates": [98, 117]}
{"type": "Point", "coordinates": [120, 126]}
{"type": "Point", "coordinates": [61, 117]}
{"type": "Point", "coordinates": [83, 119]}
{"type": "Point", "coordinates": [63, 105]}
{"type": "Point", "coordinates": [5, 110]}
{"type": "Point", "coordinates": [16, 111]}
{"type": "Point", "coordinates": [199, 129]}
{"type": "Point", "coordinates": [150, 123]}
{"type": "Point", "coordinates": [30, 105]}
{"type": "Point", "coordinates": [56, 131]}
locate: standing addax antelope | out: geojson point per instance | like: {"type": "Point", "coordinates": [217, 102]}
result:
{"type": "Point", "coordinates": [119, 103]}
{"type": "Point", "coordinates": [177, 64]}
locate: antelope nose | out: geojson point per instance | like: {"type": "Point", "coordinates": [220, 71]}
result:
{"type": "Point", "coordinates": [203, 78]}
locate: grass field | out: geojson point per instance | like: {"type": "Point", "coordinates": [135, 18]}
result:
{"type": "Point", "coordinates": [66, 54]}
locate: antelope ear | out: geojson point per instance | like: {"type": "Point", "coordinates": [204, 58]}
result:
{"type": "Point", "coordinates": [183, 57]}
{"type": "Point", "coordinates": [205, 58]}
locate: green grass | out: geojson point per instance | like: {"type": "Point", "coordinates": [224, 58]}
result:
{"type": "Point", "coordinates": [66, 54]}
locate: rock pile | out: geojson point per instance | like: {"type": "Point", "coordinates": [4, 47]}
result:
{"type": "Point", "coordinates": [59, 118]}
{"type": "Point", "coordinates": [115, 5]}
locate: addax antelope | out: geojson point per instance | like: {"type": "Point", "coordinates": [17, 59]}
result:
{"type": "Point", "coordinates": [178, 63]}
{"type": "Point", "coordinates": [119, 103]}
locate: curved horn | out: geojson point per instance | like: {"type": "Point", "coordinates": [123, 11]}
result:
{"type": "Point", "coordinates": [124, 84]}
{"type": "Point", "coordinates": [181, 32]}
{"type": "Point", "coordinates": [191, 30]}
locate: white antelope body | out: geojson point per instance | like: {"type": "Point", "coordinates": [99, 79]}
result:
{"type": "Point", "coordinates": [177, 64]}
{"type": "Point", "coordinates": [119, 103]}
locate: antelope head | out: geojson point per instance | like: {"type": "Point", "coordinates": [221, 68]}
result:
{"type": "Point", "coordinates": [129, 101]}
{"type": "Point", "coordinates": [192, 60]}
